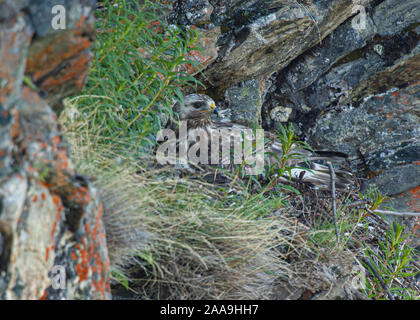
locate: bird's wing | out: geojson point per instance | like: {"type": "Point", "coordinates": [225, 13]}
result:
{"type": "Point", "coordinates": [306, 166]}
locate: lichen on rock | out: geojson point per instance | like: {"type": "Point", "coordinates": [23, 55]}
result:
{"type": "Point", "coordinates": [49, 216]}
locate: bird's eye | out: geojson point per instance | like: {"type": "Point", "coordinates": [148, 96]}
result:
{"type": "Point", "coordinates": [197, 105]}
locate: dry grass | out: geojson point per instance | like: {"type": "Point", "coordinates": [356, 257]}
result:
{"type": "Point", "coordinates": [197, 252]}
{"type": "Point", "coordinates": [180, 238]}
{"type": "Point", "coordinates": [174, 238]}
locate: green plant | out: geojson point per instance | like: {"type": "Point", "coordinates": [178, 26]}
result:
{"type": "Point", "coordinates": [180, 237]}
{"type": "Point", "coordinates": [392, 261]}
{"type": "Point", "coordinates": [374, 198]}
{"type": "Point", "coordinates": [291, 149]}
{"type": "Point", "coordinates": [121, 278]}
{"type": "Point", "coordinates": [140, 63]}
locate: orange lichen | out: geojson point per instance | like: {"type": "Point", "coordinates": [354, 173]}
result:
{"type": "Point", "coordinates": [29, 95]}
{"type": "Point", "coordinates": [89, 252]}
{"type": "Point", "coordinates": [59, 205]}
{"type": "Point", "coordinates": [87, 227]}
{"type": "Point", "coordinates": [75, 71]}
{"type": "Point", "coordinates": [82, 268]}
{"type": "Point", "coordinates": [56, 141]}
{"type": "Point", "coordinates": [62, 160]}
{"type": "Point", "coordinates": [57, 202]}
{"type": "Point", "coordinates": [414, 204]}
{"type": "Point", "coordinates": [396, 95]}
{"type": "Point", "coordinates": [44, 295]}
{"type": "Point", "coordinates": [47, 253]}
{"type": "Point", "coordinates": [15, 128]}
{"type": "Point", "coordinates": [81, 22]}
{"type": "Point", "coordinates": [61, 49]}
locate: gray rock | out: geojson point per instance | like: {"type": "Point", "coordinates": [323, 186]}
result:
{"type": "Point", "coordinates": [309, 67]}
{"type": "Point", "coordinates": [348, 66]}
{"type": "Point", "coordinates": [382, 137]}
{"type": "Point", "coordinates": [392, 16]}
{"type": "Point", "coordinates": [41, 13]}
{"type": "Point", "coordinates": [49, 215]}
{"type": "Point", "coordinates": [245, 102]}
{"type": "Point", "coordinates": [259, 44]}
{"type": "Point", "coordinates": [346, 94]}
{"type": "Point", "coordinates": [380, 133]}
{"type": "Point", "coordinates": [396, 180]}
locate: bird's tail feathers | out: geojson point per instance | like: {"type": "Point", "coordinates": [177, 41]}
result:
{"type": "Point", "coordinates": [329, 155]}
{"type": "Point", "coordinates": [318, 176]}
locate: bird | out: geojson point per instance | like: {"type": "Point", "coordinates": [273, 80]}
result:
{"type": "Point", "coordinates": [305, 166]}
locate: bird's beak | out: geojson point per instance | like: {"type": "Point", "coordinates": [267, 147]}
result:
{"type": "Point", "coordinates": [212, 108]}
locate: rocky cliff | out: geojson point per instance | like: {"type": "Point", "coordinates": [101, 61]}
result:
{"type": "Point", "coordinates": [345, 73]}
{"type": "Point", "coordinates": [52, 240]}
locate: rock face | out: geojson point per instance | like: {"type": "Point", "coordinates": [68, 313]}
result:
{"type": "Point", "coordinates": [344, 72]}
{"type": "Point", "coordinates": [245, 102]}
{"type": "Point", "coordinates": [365, 99]}
{"type": "Point", "coordinates": [264, 36]}
{"type": "Point", "coordinates": [52, 240]}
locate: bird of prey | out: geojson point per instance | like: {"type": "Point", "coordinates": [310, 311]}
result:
{"type": "Point", "coordinates": [196, 112]}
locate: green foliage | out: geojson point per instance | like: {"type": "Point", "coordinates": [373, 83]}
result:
{"type": "Point", "coordinates": [290, 145]}
{"type": "Point", "coordinates": [140, 63]}
{"type": "Point", "coordinates": [28, 82]}
{"type": "Point", "coordinates": [392, 261]}
{"type": "Point", "coordinates": [374, 197]}
{"type": "Point", "coordinates": [391, 256]}
{"type": "Point", "coordinates": [121, 278]}
{"type": "Point", "coordinates": [291, 149]}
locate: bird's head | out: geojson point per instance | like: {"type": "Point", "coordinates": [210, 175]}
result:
{"type": "Point", "coordinates": [196, 106]}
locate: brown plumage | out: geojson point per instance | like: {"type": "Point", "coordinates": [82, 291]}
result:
{"type": "Point", "coordinates": [197, 110]}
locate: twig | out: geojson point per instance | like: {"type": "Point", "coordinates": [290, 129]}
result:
{"type": "Point", "coordinates": [358, 202]}
{"type": "Point", "coordinates": [402, 214]}
{"type": "Point", "coordinates": [383, 284]}
{"type": "Point", "coordinates": [333, 199]}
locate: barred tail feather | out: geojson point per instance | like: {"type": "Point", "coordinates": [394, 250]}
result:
{"type": "Point", "coordinates": [331, 155]}
{"type": "Point", "coordinates": [319, 177]}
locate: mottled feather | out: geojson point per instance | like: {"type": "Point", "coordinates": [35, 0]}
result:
{"type": "Point", "coordinates": [197, 110]}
